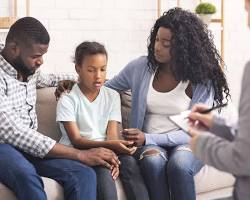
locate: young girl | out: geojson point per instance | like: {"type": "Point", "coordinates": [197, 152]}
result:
{"type": "Point", "coordinates": [89, 115]}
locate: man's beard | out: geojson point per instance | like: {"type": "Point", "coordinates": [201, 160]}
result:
{"type": "Point", "coordinates": [19, 65]}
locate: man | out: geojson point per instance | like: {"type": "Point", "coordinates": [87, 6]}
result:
{"type": "Point", "coordinates": [26, 154]}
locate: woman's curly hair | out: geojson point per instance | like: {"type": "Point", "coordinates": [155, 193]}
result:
{"type": "Point", "coordinates": [194, 56]}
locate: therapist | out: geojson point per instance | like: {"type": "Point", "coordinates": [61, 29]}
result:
{"type": "Point", "coordinates": [223, 145]}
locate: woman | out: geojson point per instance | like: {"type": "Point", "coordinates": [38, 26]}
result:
{"type": "Point", "coordinates": [223, 146]}
{"type": "Point", "coordinates": [182, 68]}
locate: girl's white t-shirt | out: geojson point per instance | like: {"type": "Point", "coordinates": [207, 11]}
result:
{"type": "Point", "coordinates": [91, 117]}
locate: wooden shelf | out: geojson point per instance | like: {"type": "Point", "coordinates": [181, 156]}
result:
{"type": "Point", "coordinates": [6, 22]}
{"type": "Point", "coordinates": [216, 20]}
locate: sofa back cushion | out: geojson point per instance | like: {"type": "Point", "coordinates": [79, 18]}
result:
{"type": "Point", "coordinates": [125, 107]}
{"type": "Point", "coordinates": [46, 113]}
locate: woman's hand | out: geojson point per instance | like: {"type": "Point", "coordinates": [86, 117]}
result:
{"type": "Point", "coordinates": [122, 146]}
{"type": "Point", "coordinates": [135, 135]}
{"type": "Point", "coordinates": [198, 120]}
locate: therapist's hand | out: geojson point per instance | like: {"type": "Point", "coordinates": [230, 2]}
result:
{"type": "Point", "coordinates": [198, 120]}
{"type": "Point", "coordinates": [194, 135]}
{"type": "Point", "coordinates": [135, 135]}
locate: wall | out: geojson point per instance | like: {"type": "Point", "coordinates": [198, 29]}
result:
{"type": "Point", "coordinates": [123, 27]}
{"type": "Point", "coordinates": [237, 44]}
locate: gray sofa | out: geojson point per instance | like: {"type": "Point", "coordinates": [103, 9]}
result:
{"type": "Point", "coordinates": [210, 183]}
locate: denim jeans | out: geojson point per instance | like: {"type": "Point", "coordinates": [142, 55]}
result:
{"type": "Point", "coordinates": [21, 173]}
{"type": "Point", "coordinates": [168, 174]}
{"type": "Point", "coordinates": [132, 180]}
{"type": "Point", "coordinates": [106, 189]}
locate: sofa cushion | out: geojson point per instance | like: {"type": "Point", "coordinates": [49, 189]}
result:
{"type": "Point", "coordinates": [46, 113]}
{"type": "Point", "coordinates": [125, 107]}
{"type": "Point", "coordinates": [209, 179]}
{"type": "Point", "coordinates": [53, 190]}
{"type": "Point", "coordinates": [5, 193]}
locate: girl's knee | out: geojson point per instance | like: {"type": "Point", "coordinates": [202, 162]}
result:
{"type": "Point", "coordinates": [127, 159]}
{"type": "Point", "coordinates": [128, 163]}
{"type": "Point", "coordinates": [103, 173]}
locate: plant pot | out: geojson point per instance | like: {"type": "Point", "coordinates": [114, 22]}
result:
{"type": "Point", "coordinates": [205, 18]}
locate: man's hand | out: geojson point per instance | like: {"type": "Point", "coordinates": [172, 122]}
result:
{"type": "Point", "coordinates": [62, 87]}
{"type": "Point", "coordinates": [135, 135]}
{"type": "Point", "coordinates": [98, 156]}
{"type": "Point", "coordinates": [198, 120]}
{"type": "Point", "coordinates": [122, 146]}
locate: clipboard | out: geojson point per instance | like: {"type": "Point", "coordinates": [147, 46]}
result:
{"type": "Point", "coordinates": [181, 120]}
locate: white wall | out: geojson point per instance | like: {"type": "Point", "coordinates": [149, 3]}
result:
{"type": "Point", "coordinates": [123, 27]}
{"type": "Point", "coordinates": [237, 44]}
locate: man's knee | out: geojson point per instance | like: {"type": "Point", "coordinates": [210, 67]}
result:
{"type": "Point", "coordinates": [13, 164]}
{"type": "Point", "coordinates": [9, 154]}
{"type": "Point", "coordinates": [85, 176]}
{"type": "Point", "coordinates": [79, 181]}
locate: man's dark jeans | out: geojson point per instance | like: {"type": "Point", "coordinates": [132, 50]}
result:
{"type": "Point", "coordinates": [21, 173]}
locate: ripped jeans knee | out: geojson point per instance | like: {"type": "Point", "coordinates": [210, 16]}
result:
{"type": "Point", "coordinates": [152, 152]}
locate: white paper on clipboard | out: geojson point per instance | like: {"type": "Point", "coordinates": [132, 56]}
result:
{"type": "Point", "coordinates": [181, 120]}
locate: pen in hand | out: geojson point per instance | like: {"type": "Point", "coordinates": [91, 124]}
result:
{"type": "Point", "coordinates": [200, 119]}
{"type": "Point", "coordinates": [213, 108]}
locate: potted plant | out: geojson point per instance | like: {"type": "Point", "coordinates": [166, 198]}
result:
{"type": "Point", "coordinates": [205, 11]}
